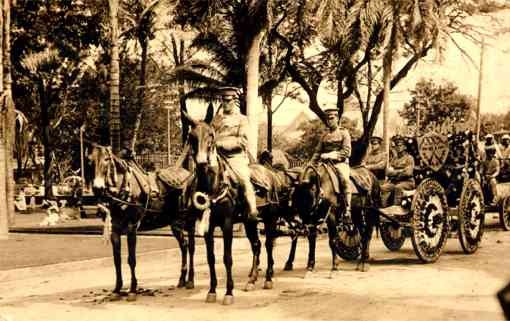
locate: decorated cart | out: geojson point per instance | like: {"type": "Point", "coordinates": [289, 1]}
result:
{"type": "Point", "coordinates": [447, 202]}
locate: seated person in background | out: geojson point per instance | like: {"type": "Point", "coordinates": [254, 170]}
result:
{"type": "Point", "coordinates": [490, 171]}
{"type": "Point", "coordinates": [375, 159]}
{"type": "Point", "coordinates": [399, 173]}
{"type": "Point", "coordinates": [504, 149]}
{"type": "Point", "coordinates": [489, 140]}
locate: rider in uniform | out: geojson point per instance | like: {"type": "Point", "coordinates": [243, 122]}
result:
{"type": "Point", "coordinates": [375, 159]}
{"type": "Point", "coordinates": [491, 171]}
{"type": "Point", "coordinates": [231, 128]}
{"type": "Point", "coordinates": [504, 149]}
{"type": "Point", "coordinates": [335, 147]}
{"type": "Point", "coordinates": [399, 173]}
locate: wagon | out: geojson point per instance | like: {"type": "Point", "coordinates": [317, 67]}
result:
{"type": "Point", "coordinates": [447, 202]}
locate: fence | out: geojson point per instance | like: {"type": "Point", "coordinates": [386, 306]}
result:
{"type": "Point", "coordinates": [158, 160]}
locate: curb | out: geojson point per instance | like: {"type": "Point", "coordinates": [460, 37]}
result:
{"type": "Point", "coordinates": [37, 271]}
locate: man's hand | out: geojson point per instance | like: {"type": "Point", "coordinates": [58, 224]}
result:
{"type": "Point", "coordinates": [326, 156]}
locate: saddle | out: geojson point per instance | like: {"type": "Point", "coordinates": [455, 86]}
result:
{"type": "Point", "coordinates": [359, 182]}
{"type": "Point", "coordinates": [174, 177]}
{"type": "Point", "coordinates": [268, 180]}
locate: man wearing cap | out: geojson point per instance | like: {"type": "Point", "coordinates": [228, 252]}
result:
{"type": "Point", "coordinates": [231, 128]}
{"type": "Point", "coordinates": [399, 173]}
{"type": "Point", "coordinates": [375, 159]}
{"type": "Point", "coordinates": [335, 147]}
{"type": "Point", "coordinates": [490, 170]}
{"type": "Point", "coordinates": [504, 149]}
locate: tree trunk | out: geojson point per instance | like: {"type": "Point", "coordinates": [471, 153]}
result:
{"type": "Point", "coordinates": [252, 85]}
{"type": "Point", "coordinates": [4, 211]}
{"type": "Point", "coordinates": [46, 142]}
{"type": "Point", "coordinates": [9, 105]}
{"type": "Point", "coordinates": [141, 91]}
{"type": "Point", "coordinates": [114, 78]}
{"type": "Point", "coordinates": [268, 102]}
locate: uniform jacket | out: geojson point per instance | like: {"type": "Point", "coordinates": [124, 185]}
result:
{"type": "Point", "coordinates": [338, 141]}
{"type": "Point", "coordinates": [404, 167]}
{"type": "Point", "coordinates": [232, 131]}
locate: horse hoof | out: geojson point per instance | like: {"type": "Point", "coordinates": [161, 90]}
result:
{"type": "Point", "coordinates": [288, 267]}
{"type": "Point", "coordinates": [268, 285]}
{"type": "Point", "coordinates": [363, 267]}
{"type": "Point", "coordinates": [190, 285]}
{"type": "Point", "coordinates": [228, 300]}
{"type": "Point", "coordinates": [249, 287]}
{"type": "Point", "coordinates": [115, 296]}
{"type": "Point", "coordinates": [211, 298]}
{"type": "Point", "coordinates": [131, 297]}
{"type": "Point", "coordinates": [333, 274]}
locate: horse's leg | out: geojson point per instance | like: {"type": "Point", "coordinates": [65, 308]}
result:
{"type": "Point", "coordinates": [289, 264]}
{"type": "Point", "coordinates": [332, 236]}
{"type": "Point", "coordinates": [209, 243]}
{"type": "Point", "coordinates": [131, 239]}
{"type": "Point", "coordinates": [366, 227]}
{"type": "Point", "coordinates": [227, 260]}
{"type": "Point", "coordinates": [270, 227]}
{"type": "Point", "coordinates": [312, 240]}
{"type": "Point", "coordinates": [253, 237]}
{"type": "Point", "coordinates": [115, 240]}
{"type": "Point", "coordinates": [190, 283]}
{"type": "Point", "coordinates": [179, 236]}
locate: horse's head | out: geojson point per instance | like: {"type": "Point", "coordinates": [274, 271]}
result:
{"type": "Point", "coordinates": [201, 140]}
{"type": "Point", "coordinates": [103, 168]}
{"type": "Point", "coordinates": [306, 193]}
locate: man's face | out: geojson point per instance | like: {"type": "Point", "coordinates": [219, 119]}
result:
{"type": "Point", "coordinates": [505, 142]}
{"type": "Point", "coordinates": [332, 121]}
{"type": "Point", "coordinates": [376, 144]}
{"type": "Point", "coordinates": [400, 146]}
{"type": "Point", "coordinates": [229, 103]}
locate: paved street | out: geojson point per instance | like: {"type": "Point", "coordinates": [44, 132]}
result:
{"type": "Point", "coordinates": [397, 287]}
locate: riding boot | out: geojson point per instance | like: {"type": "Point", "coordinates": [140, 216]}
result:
{"type": "Point", "coordinates": [251, 203]}
{"type": "Point", "coordinates": [347, 200]}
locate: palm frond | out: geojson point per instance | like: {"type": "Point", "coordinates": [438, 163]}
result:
{"type": "Point", "coordinates": [40, 61]}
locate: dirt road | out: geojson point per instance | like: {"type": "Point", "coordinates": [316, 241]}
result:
{"type": "Point", "coordinates": [397, 287]}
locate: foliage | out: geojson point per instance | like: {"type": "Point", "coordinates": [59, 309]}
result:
{"type": "Point", "coordinates": [437, 105]}
{"type": "Point", "coordinates": [312, 134]}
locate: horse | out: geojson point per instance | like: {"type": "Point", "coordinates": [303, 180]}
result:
{"type": "Point", "coordinates": [315, 198]}
{"type": "Point", "coordinates": [223, 206]}
{"type": "Point", "coordinates": [128, 199]}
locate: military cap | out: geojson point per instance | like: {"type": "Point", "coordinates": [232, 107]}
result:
{"type": "Point", "coordinates": [331, 111]}
{"type": "Point", "coordinates": [376, 138]}
{"type": "Point", "coordinates": [229, 91]}
{"type": "Point", "coordinates": [398, 139]}
{"type": "Point", "coordinates": [506, 136]}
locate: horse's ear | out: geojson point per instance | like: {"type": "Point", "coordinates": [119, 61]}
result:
{"type": "Point", "coordinates": [189, 119]}
{"type": "Point", "coordinates": [210, 113]}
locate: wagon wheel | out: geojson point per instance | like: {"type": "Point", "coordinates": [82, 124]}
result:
{"type": "Point", "coordinates": [392, 237]}
{"type": "Point", "coordinates": [430, 220]}
{"type": "Point", "coordinates": [504, 214]}
{"type": "Point", "coordinates": [471, 216]}
{"type": "Point", "coordinates": [348, 245]}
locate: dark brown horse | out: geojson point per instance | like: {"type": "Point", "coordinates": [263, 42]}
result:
{"type": "Point", "coordinates": [223, 206]}
{"type": "Point", "coordinates": [133, 202]}
{"type": "Point", "coordinates": [315, 199]}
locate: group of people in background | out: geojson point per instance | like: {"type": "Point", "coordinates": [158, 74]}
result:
{"type": "Point", "coordinates": [397, 176]}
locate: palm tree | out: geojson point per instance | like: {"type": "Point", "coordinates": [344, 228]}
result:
{"type": "Point", "coordinates": [40, 67]}
{"type": "Point", "coordinates": [8, 107]}
{"type": "Point", "coordinates": [241, 23]}
{"type": "Point", "coordinates": [142, 29]}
